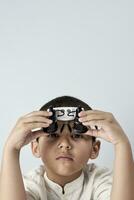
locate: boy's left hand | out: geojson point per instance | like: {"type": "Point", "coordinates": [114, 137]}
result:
{"type": "Point", "coordinates": [108, 127]}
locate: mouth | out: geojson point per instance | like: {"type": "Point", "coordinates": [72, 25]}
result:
{"type": "Point", "coordinates": [64, 158]}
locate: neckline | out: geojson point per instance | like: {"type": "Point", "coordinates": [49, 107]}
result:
{"type": "Point", "coordinates": [68, 188]}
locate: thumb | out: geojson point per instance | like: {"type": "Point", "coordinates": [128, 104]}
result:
{"type": "Point", "coordinates": [33, 135]}
{"type": "Point", "coordinates": [93, 133]}
{"type": "Point", "coordinates": [37, 134]}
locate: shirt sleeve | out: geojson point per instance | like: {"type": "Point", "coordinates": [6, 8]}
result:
{"type": "Point", "coordinates": [103, 184]}
{"type": "Point", "coordinates": [29, 196]}
{"type": "Point", "coordinates": [34, 186]}
{"type": "Point", "coordinates": [31, 190]}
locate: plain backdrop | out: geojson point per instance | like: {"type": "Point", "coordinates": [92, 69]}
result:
{"type": "Point", "coordinates": [79, 48]}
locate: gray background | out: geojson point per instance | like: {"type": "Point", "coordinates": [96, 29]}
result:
{"type": "Point", "coordinates": [53, 48]}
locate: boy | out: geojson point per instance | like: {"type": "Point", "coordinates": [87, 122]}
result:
{"type": "Point", "coordinates": [65, 152]}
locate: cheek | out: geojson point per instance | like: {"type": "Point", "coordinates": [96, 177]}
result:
{"type": "Point", "coordinates": [47, 151]}
{"type": "Point", "coordinates": [43, 147]}
{"type": "Point", "coordinates": [82, 151]}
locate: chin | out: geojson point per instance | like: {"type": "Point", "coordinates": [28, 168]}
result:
{"type": "Point", "coordinates": [66, 171]}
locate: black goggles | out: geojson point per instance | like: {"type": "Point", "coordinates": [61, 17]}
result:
{"type": "Point", "coordinates": [77, 128]}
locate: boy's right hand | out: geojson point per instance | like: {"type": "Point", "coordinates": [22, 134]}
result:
{"type": "Point", "coordinates": [22, 132]}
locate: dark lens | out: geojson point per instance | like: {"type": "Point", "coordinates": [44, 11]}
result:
{"type": "Point", "coordinates": [79, 128]}
{"type": "Point", "coordinates": [52, 128]}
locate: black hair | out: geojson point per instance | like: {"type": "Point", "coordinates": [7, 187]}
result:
{"type": "Point", "coordinates": [66, 101]}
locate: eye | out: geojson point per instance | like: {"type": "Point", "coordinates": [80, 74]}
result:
{"type": "Point", "coordinates": [77, 136]}
{"type": "Point", "coordinates": [53, 135]}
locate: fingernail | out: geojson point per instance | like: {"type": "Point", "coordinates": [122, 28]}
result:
{"type": "Point", "coordinates": [80, 119]}
{"type": "Point", "coordinates": [50, 113]}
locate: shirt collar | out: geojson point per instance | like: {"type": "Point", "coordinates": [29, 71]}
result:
{"type": "Point", "coordinates": [68, 188]}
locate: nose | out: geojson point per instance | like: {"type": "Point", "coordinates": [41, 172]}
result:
{"type": "Point", "coordinates": [64, 147]}
{"type": "Point", "coordinates": [64, 141]}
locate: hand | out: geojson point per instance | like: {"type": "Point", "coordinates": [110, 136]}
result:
{"type": "Point", "coordinates": [103, 125]}
{"type": "Point", "coordinates": [22, 133]}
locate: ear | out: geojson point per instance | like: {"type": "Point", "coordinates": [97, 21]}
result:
{"type": "Point", "coordinates": [95, 149]}
{"type": "Point", "coordinates": [35, 148]}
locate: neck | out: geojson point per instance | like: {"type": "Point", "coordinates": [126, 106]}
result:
{"type": "Point", "coordinates": [62, 180]}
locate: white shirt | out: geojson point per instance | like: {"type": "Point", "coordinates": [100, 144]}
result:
{"type": "Point", "coordinates": [94, 183]}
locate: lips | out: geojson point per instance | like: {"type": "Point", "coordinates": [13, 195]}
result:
{"type": "Point", "coordinates": [64, 157]}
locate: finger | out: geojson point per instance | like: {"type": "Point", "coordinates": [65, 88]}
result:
{"type": "Point", "coordinates": [104, 129]}
{"type": "Point", "coordinates": [82, 113]}
{"type": "Point", "coordinates": [34, 135]}
{"type": "Point", "coordinates": [39, 113]}
{"type": "Point", "coordinates": [97, 124]}
{"type": "Point", "coordinates": [100, 134]}
{"type": "Point", "coordinates": [37, 119]}
{"type": "Point", "coordinates": [86, 112]}
{"type": "Point", "coordinates": [31, 126]}
{"type": "Point", "coordinates": [95, 116]}
{"type": "Point", "coordinates": [93, 123]}
{"type": "Point", "coordinates": [94, 133]}
{"type": "Point", "coordinates": [89, 112]}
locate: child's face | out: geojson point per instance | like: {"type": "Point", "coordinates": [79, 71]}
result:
{"type": "Point", "coordinates": [65, 154]}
